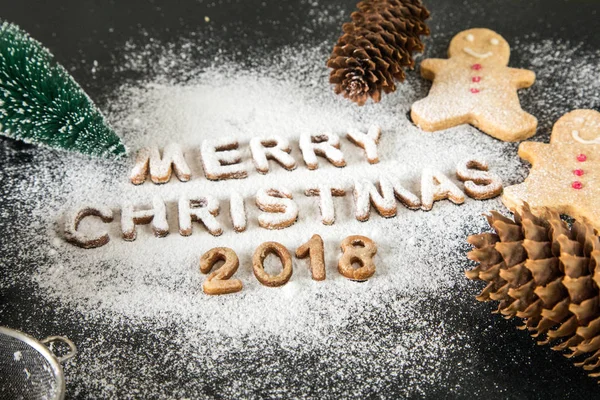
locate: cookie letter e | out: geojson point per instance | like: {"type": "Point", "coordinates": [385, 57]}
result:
{"type": "Point", "coordinates": [475, 86]}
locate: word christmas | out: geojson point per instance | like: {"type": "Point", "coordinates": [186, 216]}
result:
{"type": "Point", "coordinates": [279, 210]}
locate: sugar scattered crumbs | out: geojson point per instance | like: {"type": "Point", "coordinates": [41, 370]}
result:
{"type": "Point", "coordinates": [358, 338]}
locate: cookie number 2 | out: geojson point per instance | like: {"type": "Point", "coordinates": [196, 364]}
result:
{"type": "Point", "coordinates": [218, 282]}
{"type": "Point", "coordinates": [359, 250]}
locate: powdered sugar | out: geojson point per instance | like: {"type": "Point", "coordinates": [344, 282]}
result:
{"type": "Point", "coordinates": [155, 283]}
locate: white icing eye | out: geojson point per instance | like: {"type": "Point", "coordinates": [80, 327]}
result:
{"type": "Point", "coordinates": [470, 37]}
{"type": "Point", "coordinates": [494, 41]}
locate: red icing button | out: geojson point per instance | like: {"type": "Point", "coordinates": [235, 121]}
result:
{"type": "Point", "coordinates": [581, 158]}
{"type": "Point", "coordinates": [577, 185]}
{"type": "Point", "coordinates": [476, 67]}
{"type": "Point", "coordinates": [476, 79]}
{"type": "Point", "coordinates": [578, 172]}
{"type": "Point", "coordinates": [473, 90]}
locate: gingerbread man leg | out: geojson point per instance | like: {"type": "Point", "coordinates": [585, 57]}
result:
{"type": "Point", "coordinates": [507, 124]}
{"type": "Point", "coordinates": [433, 114]}
{"type": "Point", "coordinates": [514, 196]}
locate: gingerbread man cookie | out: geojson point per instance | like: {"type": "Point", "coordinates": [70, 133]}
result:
{"type": "Point", "coordinates": [565, 174]}
{"type": "Point", "coordinates": [475, 86]}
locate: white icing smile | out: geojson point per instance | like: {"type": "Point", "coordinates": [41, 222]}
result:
{"type": "Point", "coordinates": [581, 140]}
{"type": "Point", "coordinates": [473, 53]}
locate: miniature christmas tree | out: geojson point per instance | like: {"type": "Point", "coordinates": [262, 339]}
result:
{"type": "Point", "coordinates": [375, 47]}
{"type": "Point", "coordinates": [40, 102]}
{"type": "Point", "coordinates": [546, 272]}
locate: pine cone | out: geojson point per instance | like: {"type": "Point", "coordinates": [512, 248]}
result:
{"type": "Point", "coordinates": [548, 274]}
{"type": "Point", "coordinates": [375, 47]}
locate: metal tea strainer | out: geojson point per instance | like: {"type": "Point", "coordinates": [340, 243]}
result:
{"type": "Point", "coordinates": [29, 369]}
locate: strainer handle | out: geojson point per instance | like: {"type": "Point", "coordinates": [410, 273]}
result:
{"type": "Point", "coordinates": [73, 349]}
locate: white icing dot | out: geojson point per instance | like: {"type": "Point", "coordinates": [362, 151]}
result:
{"type": "Point", "coordinates": [470, 37]}
{"type": "Point", "coordinates": [494, 41]}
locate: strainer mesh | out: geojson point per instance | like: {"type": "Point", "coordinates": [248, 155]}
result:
{"type": "Point", "coordinates": [25, 374]}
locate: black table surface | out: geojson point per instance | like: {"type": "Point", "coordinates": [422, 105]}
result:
{"type": "Point", "coordinates": [77, 33]}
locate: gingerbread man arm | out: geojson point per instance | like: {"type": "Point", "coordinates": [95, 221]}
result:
{"type": "Point", "coordinates": [522, 78]}
{"type": "Point", "coordinates": [529, 151]}
{"type": "Point", "coordinates": [431, 66]}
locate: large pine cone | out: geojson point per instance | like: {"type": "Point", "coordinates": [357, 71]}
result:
{"type": "Point", "coordinates": [548, 274]}
{"type": "Point", "coordinates": [376, 46]}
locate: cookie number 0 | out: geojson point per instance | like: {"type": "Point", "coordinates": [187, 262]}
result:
{"type": "Point", "coordinates": [359, 250]}
{"type": "Point", "coordinates": [259, 268]}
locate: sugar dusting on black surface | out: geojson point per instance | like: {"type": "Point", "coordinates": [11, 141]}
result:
{"type": "Point", "coordinates": [149, 331]}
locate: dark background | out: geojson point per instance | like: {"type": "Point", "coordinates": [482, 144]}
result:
{"type": "Point", "coordinates": [79, 32]}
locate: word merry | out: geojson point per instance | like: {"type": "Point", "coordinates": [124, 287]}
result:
{"type": "Point", "coordinates": [355, 250]}
{"type": "Point", "coordinates": [221, 158]}
{"type": "Point", "coordinates": [279, 210]}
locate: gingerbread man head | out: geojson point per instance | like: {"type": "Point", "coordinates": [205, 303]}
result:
{"type": "Point", "coordinates": [577, 127]}
{"type": "Point", "coordinates": [480, 45]}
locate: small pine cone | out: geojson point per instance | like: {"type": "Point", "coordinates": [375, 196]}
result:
{"type": "Point", "coordinates": [548, 274]}
{"type": "Point", "coordinates": [376, 46]}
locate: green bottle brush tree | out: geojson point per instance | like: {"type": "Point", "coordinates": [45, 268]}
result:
{"type": "Point", "coordinates": [41, 103]}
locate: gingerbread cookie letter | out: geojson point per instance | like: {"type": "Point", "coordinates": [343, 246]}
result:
{"type": "Point", "coordinates": [219, 282]}
{"type": "Point", "coordinates": [326, 193]}
{"type": "Point", "coordinates": [367, 141]}
{"type": "Point", "coordinates": [222, 159]}
{"type": "Point", "coordinates": [326, 145]}
{"type": "Point", "coordinates": [564, 173]}
{"type": "Point", "coordinates": [78, 238]}
{"type": "Point", "coordinates": [160, 167]}
{"type": "Point", "coordinates": [280, 209]}
{"type": "Point", "coordinates": [475, 86]}
{"type": "Point", "coordinates": [199, 209]}
{"type": "Point", "coordinates": [436, 186]}
{"type": "Point", "coordinates": [480, 184]}
{"type": "Point", "coordinates": [271, 148]}
{"type": "Point", "coordinates": [130, 217]}
{"type": "Point", "coordinates": [357, 250]}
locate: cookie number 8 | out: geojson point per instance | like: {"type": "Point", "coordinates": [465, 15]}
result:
{"type": "Point", "coordinates": [359, 250]}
